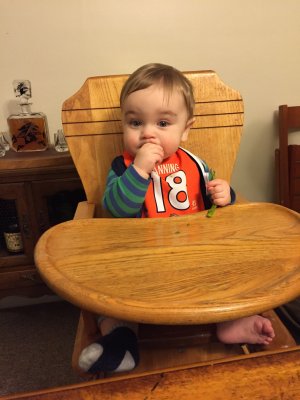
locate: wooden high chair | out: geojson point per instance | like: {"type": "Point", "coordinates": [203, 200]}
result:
{"type": "Point", "coordinates": [92, 126]}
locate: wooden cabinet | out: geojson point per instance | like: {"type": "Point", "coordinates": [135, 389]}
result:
{"type": "Point", "coordinates": [39, 190]}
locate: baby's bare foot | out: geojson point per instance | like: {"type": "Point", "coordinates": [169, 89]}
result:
{"type": "Point", "coordinates": [253, 330]}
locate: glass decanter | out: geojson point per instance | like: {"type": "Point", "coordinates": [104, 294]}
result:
{"type": "Point", "coordinates": [28, 130]}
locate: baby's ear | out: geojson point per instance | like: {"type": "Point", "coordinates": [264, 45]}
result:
{"type": "Point", "coordinates": [188, 126]}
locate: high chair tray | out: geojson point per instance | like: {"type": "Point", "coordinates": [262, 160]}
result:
{"type": "Point", "coordinates": [182, 270]}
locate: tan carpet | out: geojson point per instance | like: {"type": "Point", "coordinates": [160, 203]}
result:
{"type": "Point", "coordinates": [36, 347]}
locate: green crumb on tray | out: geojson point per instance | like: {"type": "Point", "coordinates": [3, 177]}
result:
{"type": "Point", "coordinates": [212, 209]}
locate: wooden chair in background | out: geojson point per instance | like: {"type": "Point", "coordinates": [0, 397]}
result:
{"type": "Point", "coordinates": [287, 159]}
{"type": "Point", "coordinates": [287, 169]}
{"type": "Point", "coordinates": [92, 126]}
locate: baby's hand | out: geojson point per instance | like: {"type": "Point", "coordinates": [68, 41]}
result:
{"type": "Point", "coordinates": [219, 191]}
{"type": "Point", "coordinates": [147, 157]}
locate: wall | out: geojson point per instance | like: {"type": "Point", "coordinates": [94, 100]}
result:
{"type": "Point", "coordinates": [254, 46]}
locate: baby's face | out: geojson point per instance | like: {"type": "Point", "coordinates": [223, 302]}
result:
{"type": "Point", "coordinates": [152, 116]}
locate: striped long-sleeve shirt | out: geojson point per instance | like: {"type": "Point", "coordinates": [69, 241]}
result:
{"type": "Point", "coordinates": [125, 194]}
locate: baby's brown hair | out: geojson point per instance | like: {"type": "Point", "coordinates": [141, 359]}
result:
{"type": "Point", "coordinates": [168, 76]}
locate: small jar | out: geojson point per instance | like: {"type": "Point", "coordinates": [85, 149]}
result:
{"type": "Point", "coordinates": [13, 239]}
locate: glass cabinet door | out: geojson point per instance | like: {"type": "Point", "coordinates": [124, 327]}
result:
{"type": "Point", "coordinates": [56, 201]}
{"type": "Point", "coordinates": [16, 211]}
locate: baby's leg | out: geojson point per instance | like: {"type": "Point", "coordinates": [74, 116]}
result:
{"type": "Point", "coordinates": [253, 330]}
{"type": "Point", "coordinates": [117, 350]}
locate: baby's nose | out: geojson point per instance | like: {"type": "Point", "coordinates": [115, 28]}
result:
{"type": "Point", "coordinates": [148, 131]}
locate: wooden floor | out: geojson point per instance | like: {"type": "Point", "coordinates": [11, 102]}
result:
{"type": "Point", "coordinates": [270, 376]}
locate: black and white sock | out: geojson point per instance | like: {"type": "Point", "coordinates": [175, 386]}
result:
{"type": "Point", "coordinates": [116, 351]}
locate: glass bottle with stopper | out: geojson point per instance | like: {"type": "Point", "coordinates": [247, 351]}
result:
{"type": "Point", "coordinates": [28, 130]}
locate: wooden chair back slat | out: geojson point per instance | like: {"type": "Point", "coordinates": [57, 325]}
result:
{"type": "Point", "coordinates": [111, 126]}
{"type": "Point", "coordinates": [92, 125]}
{"type": "Point", "coordinates": [293, 116]}
{"type": "Point", "coordinates": [203, 112]}
{"type": "Point", "coordinates": [287, 159]}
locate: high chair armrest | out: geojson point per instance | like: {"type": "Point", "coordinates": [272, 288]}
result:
{"type": "Point", "coordinates": [85, 210]}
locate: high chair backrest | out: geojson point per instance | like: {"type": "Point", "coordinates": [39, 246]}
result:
{"type": "Point", "coordinates": [92, 125]}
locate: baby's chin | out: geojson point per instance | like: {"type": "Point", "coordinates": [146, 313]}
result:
{"type": "Point", "coordinates": [166, 157]}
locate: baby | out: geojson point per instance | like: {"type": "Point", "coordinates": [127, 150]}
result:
{"type": "Point", "coordinates": [155, 177]}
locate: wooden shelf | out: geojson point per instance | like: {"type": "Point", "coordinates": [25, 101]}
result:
{"type": "Point", "coordinates": [35, 159]}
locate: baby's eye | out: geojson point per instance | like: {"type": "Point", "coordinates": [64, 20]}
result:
{"type": "Point", "coordinates": [163, 124]}
{"type": "Point", "coordinates": [135, 123]}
